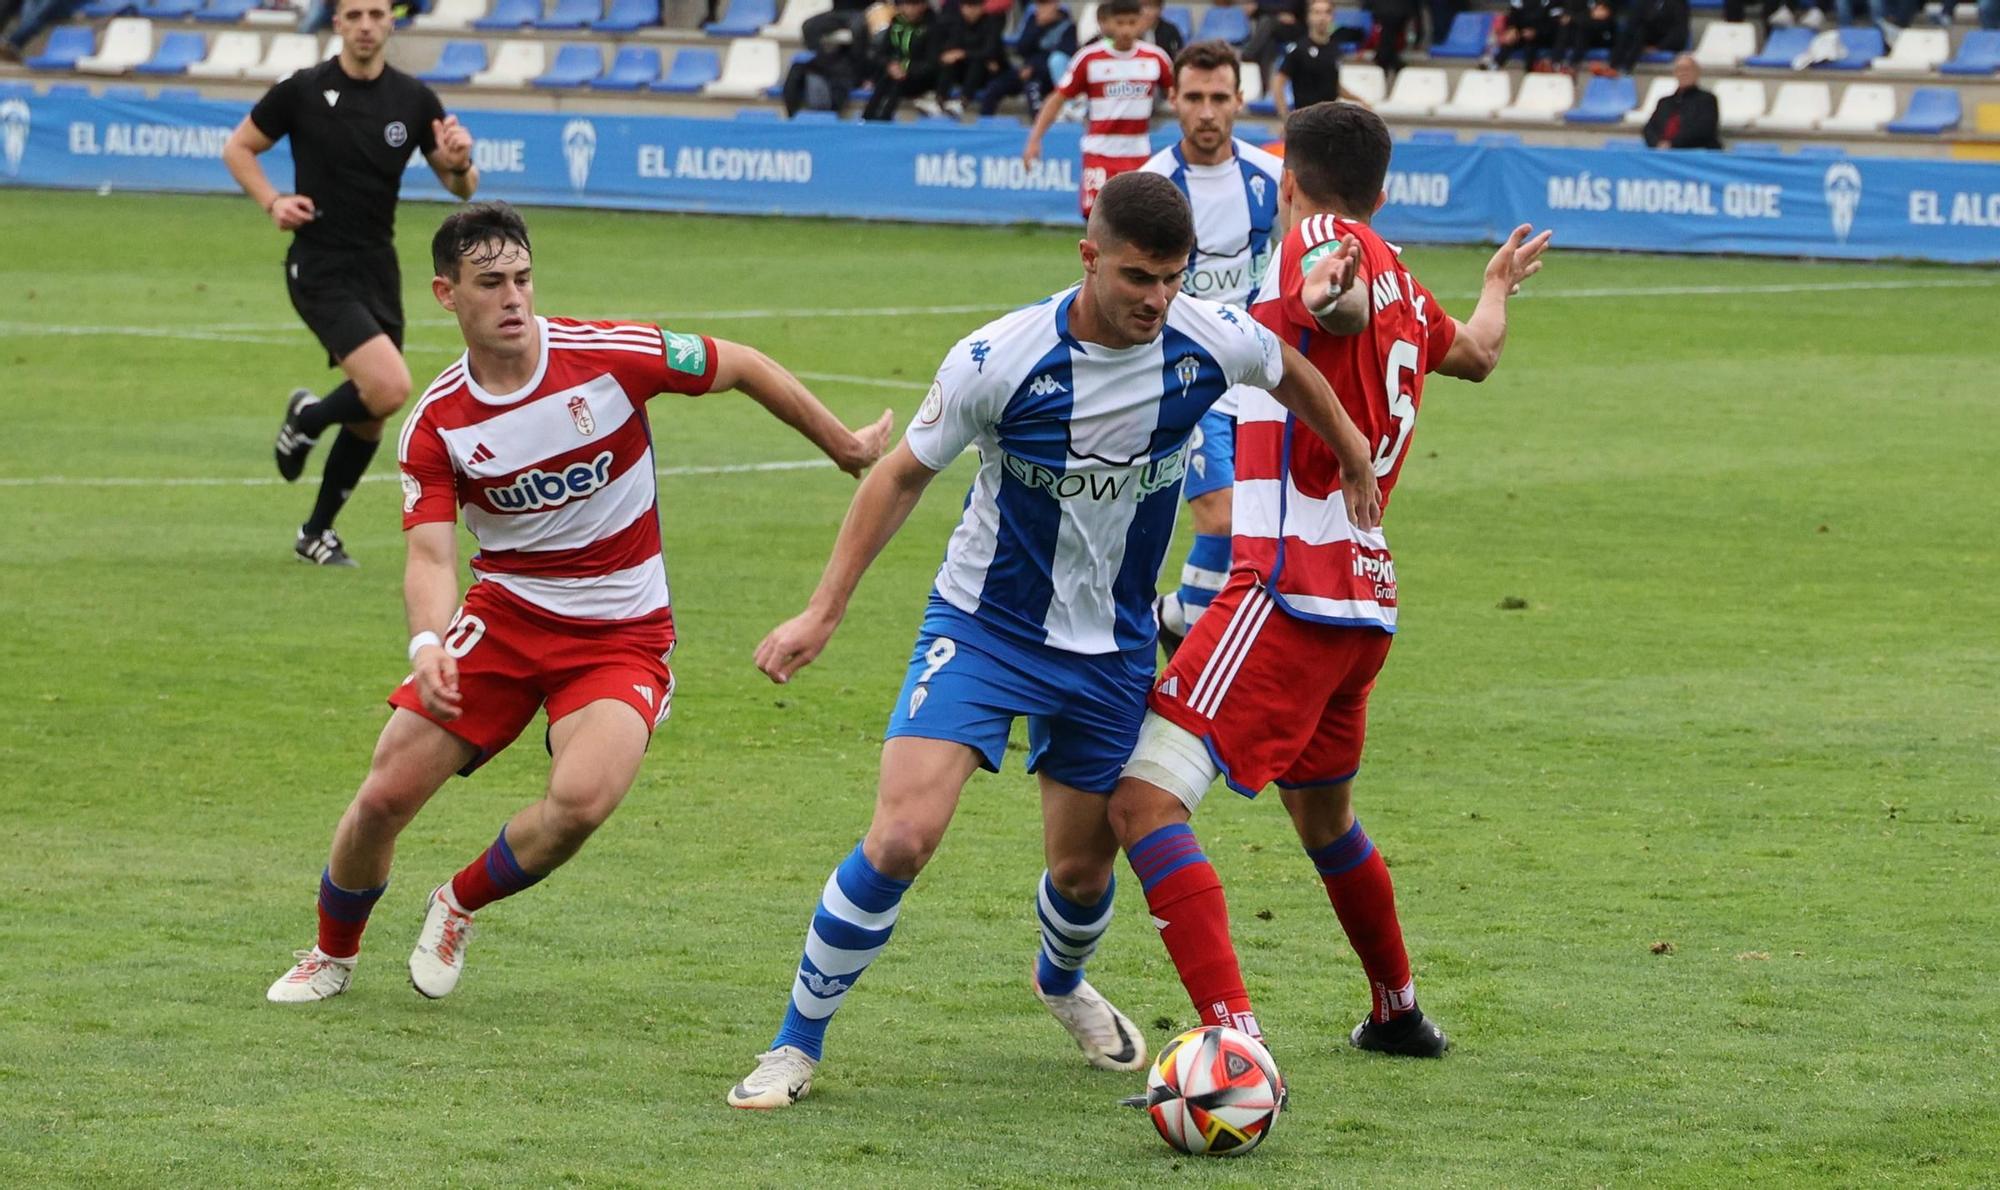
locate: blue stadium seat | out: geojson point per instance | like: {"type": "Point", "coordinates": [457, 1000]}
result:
{"type": "Point", "coordinates": [1433, 136]}
{"type": "Point", "coordinates": [98, 10]}
{"type": "Point", "coordinates": [66, 45]}
{"type": "Point", "coordinates": [1352, 20]}
{"type": "Point", "coordinates": [777, 90]}
{"type": "Point", "coordinates": [168, 10]}
{"type": "Point", "coordinates": [1497, 140]}
{"type": "Point", "coordinates": [1467, 39]}
{"type": "Point", "coordinates": [628, 16]}
{"type": "Point", "coordinates": [1180, 18]}
{"type": "Point", "coordinates": [66, 90]}
{"type": "Point", "coordinates": [459, 61]}
{"type": "Point", "coordinates": [510, 14]}
{"type": "Point", "coordinates": [1224, 24]}
{"type": "Point", "coordinates": [1267, 106]}
{"type": "Point", "coordinates": [571, 14]}
{"type": "Point", "coordinates": [635, 68]}
{"type": "Point", "coordinates": [225, 12]}
{"type": "Point", "coordinates": [175, 53]}
{"type": "Point", "coordinates": [1932, 110]}
{"type": "Point", "coordinates": [1604, 101]}
{"type": "Point", "coordinates": [1785, 47]}
{"type": "Point", "coordinates": [743, 18]}
{"type": "Point", "coordinates": [177, 95]}
{"type": "Point", "coordinates": [1859, 46]}
{"type": "Point", "coordinates": [575, 65]}
{"type": "Point", "coordinates": [692, 70]}
{"type": "Point", "coordinates": [1979, 53]}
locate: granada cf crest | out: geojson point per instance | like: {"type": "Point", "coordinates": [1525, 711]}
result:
{"type": "Point", "coordinates": [579, 412]}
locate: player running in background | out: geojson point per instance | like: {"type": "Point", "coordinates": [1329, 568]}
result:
{"type": "Point", "coordinates": [353, 121]}
{"type": "Point", "coordinates": [1272, 685]}
{"type": "Point", "coordinates": [539, 433]}
{"type": "Point", "coordinates": [1233, 188]}
{"type": "Point", "coordinates": [1080, 408]}
{"type": "Point", "coordinates": [1120, 76]}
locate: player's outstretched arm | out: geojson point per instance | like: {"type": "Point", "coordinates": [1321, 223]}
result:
{"type": "Point", "coordinates": [430, 592]}
{"type": "Point", "coordinates": [881, 504]}
{"type": "Point", "coordinates": [765, 381]}
{"type": "Point", "coordinates": [289, 211]}
{"type": "Point", "coordinates": [1306, 393]}
{"type": "Point", "coordinates": [1476, 351]}
{"type": "Point", "coordinates": [1044, 120]}
{"type": "Point", "coordinates": [1330, 293]}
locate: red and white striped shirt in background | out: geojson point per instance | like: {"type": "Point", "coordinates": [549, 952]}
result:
{"type": "Point", "coordinates": [557, 478]}
{"type": "Point", "coordinates": [1121, 88]}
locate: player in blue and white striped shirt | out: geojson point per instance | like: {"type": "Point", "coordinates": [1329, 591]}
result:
{"type": "Point", "coordinates": [1080, 408]}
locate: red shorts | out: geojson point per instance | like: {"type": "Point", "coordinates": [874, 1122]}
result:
{"type": "Point", "coordinates": [1275, 698]}
{"type": "Point", "coordinates": [1099, 170]}
{"type": "Point", "coordinates": [513, 659]}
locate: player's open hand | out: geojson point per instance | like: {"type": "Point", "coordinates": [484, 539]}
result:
{"type": "Point", "coordinates": [1363, 496]}
{"type": "Point", "coordinates": [436, 672]}
{"type": "Point", "coordinates": [454, 143]}
{"type": "Point", "coordinates": [1032, 153]}
{"type": "Point", "coordinates": [867, 446]}
{"type": "Point", "coordinates": [1518, 259]}
{"type": "Point", "coordinates": [792, 645]}
{"type": "Point", "coordinates": [1333, 274]}
{"type": "Point", "coordinates": [292, 211]}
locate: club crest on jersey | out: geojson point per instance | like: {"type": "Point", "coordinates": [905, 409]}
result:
{"type": "Point", "coordinates": [579, 412]}
{"type": "Point", "coordinates": [1186, 371]}
{"type": "Point", "coordinates": [536, 489]}
{"type": "Point", "coordinates": [933, 406]}
{"type": "Point", "coordinates": [396, 134]}
{"type": "Point", "coordinates": [1257, 184]}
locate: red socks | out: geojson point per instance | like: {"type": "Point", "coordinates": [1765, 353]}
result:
{"type": "Point", "coordinates": [493, 875]}
{"type": "Point", "coordinates": [1364, 898]}
{"type": "Point", "coordinates": [1187, 904]}
{"type": "Point", "coordinates": [343, 914]}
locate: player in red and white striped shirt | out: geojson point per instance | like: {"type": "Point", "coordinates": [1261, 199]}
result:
{"type": "Point", "coordinates": [1122, 77]}
{"type": "Point", "coordinates": [539, 434]}
{"type": "Point", "coordinates": [1272, 684]}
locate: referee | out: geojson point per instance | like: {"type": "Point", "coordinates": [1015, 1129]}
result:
{"type": "Point", "coordinates": [354, 121]}
{"type": "Point", "coordinates": [1311, 65]}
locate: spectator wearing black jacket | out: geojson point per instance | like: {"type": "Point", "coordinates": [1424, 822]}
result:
{"type": "Point", "coordinates": [1274, 25]}
{"type": "Point", "coordinates": [1164, 34]}
{"type": "Point", "coordinates": [1688, 118]}
{"type": "Point", "coordinates": [1585, 26]}
{"type": "Point", "coordinates": [1526, 31]}
{"type": "Point", "coordinates": [971, 53]}
{"type": "Point", "coordinates": [1048, 31]}
{"type": "Point", "coordinates": [1392, 24]}
{"type": "Point", "coordinates": [838, 42]}
{"type": "Point", "coordinates": [905, 60]}
{"type": "Point", "coordinates": [1650, 24]}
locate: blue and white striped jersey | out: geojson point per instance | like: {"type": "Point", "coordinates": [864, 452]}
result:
{"type": "Point", "coordinates": [1081, 451]}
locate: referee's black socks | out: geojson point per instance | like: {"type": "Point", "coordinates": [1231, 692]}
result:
{"type": "Point", "coordinates": [340, 407]}
{"type": "Point", "coordinates": [346, 463]}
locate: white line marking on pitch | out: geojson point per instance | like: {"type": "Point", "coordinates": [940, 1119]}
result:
{"type": "Point", "coordinates": [261, 481]}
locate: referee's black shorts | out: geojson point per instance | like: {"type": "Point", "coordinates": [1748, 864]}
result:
{"type": "Point", "coordinates": [346, 298]}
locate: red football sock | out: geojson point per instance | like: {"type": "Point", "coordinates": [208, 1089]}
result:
{"type": "Point", "coordinates": [495, 874]}
{"type": "Point", "coordinates": [343, 915]}
{"type": "Point", "coordinates": [1364, 898]}
{"type": "Point", "coordinates": [1185, 897]}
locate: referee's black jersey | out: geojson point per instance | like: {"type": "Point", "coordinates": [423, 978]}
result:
{"type": "Point", "coordinates": [351, 139]}
{"type": "Point", "coordinates": [1314, 70]}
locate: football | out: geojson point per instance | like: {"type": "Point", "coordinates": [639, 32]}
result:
{"type": "Point", "coordinates": [1213, 1090]}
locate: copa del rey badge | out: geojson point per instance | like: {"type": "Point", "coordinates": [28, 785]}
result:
{"type": "Point", "coordinates": [579, 412]}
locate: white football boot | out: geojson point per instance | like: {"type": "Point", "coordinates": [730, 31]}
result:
{"type": "Point", "coordinates": [1107, 1036]}
{"type": "Point", "coordinates": [314, 977]}
{"type": "Point", "coordinates": [439, 958]}
{"type": "Point", "coordinates": [782, 1078]}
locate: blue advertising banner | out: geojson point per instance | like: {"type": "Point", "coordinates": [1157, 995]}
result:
{"type": "Point", "coordinates": [1851, 207]}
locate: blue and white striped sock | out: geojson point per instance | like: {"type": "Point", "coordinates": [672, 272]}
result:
{"type": "Point", "coordinates": [1206, 572]}
{"type": "Point", "coordinates": [856, 913]}
{"type": "Point", "coordinates": [1069, 936]}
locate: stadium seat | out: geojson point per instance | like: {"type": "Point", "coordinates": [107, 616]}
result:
{"type": "Point", "coordinates": [628, 16]}
{"type": "Point", "coordinates": [1725, 44]}
{"type": "Point", "coordinates": [1180, 18]}
{"type": "Point", "coordinates": [792, 25]}
{"type": "Point", "coordinates": [451, 14]}
{"type": "Point", "coordinates": [457, 63]}
{"type": "Point", "coordinates": [1480, 93]}
{"type": "Point", "coordinates": [1860, 45]}
{"type": "Point", "coordinates": [1797, 107]}
{"type": "Point", "coordinates": [1264, 105]}
{"type": "Point", "coordinates": [633, 69]}
{"type": "Point", "coordinates": [1433, 136]}
{"type": "Point", "coordinates": [66, 91]}
{"type": "Point", "coordinates": [287, 52]}
{"type": "Point", "coordinates": [743, 18]}
{"type": "Point", "coordinates": [750, 67]}
{"type": "Point", "coordinates": [1738, 102]}
{"type": "Point", "coordinates": [1222, 24]}
{"type": "Point", "coordinates": [128, 41]}
{"type": "Point", "coordinates": [510, 14]}
{"type": "Point", "coordinates": [331, 49]}
{"type": "Point", "coordinates": [231, 53]}
{"type": "Point", "coordinates": [66, 46]}
{"type": "Point", "coordinates": [1656, 90]}
{"type": "Point", "coordinates": [225, 12]}
{"type": "Point", "coordinates": [1353, 21]}
{"type": "Point", "coordinates": [168, 10]}
{"type": "Point", "coordinates": [777, 88]}
{"type": "Point", "coordinates": [177, 95]}
{"type": "Point", "coordinates": [1543, 97]}
{"type": "Point", "coordinates": [570, 14]}
{"type": "Point", "coordinates": [1932, 110]}
{"type": "Point", "coordinates": [1366, 80]}
{"type": "Point", "coordinates": [1917, 51]}
{"type": "Point", "coordinates": [1086, 28]}
{"type": "Point", "coordinates": [1468, 36]}
{"type": "Point", "coordinates": [575, 66]}
{"type": "Point", "coordinates": [1864, 107]}
{"type": "Point", "coordinates": [1250, 81]}
{"type": "Point", "coordinates": [177, 52]}
{"type": "Point", "coordinates": [98, 10]}
{"type": "Point", "coordinates": [1786, 50]}
{"type": "Point", "coordinates": [692, 70]}
{"type": "Point", "coordinates": [1605, 101]}
{"type": "Point", "coordinates": [513, 65]}
{"type": "Point", "coordinates": [1418, 90]}
{"type": "Point", "coordinates": [1979, 53]}
{"type": "Point", "coordinates": [1497, 140]}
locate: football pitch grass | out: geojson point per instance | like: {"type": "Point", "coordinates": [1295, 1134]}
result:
{"type": "Point", "coordinates": [1685, 760]}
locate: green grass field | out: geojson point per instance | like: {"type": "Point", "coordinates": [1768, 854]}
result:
{"type": "Point", "coordinates": [1696, 851]}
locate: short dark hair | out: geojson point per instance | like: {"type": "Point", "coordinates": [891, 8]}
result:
{"type": "Point", "coordinates": [1146, 211]}
{"type": "Point", "coordinates": [470, 230]}
{"type": "Point", "coordinates": [1117, 8]}
{"type": "Point", "coordinates": [1338, 154]}
{"type": "Point", "coordinates": [1209, 55]}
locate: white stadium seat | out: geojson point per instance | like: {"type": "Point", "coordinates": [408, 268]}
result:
{"type": "Point", "coordinates": [1657, 90]}
{"type": "Point", "coordinates": [1367, 81]}
{"type": "Point", "coordinates": [1738, 102]}
{"type": "Point", "coordinates": [750, 68]}
{"type": "Point", "coordinates": [232, 52]}
{"type": "Point", "coordinates": [127, 42]}
{"type": "Point", "coordinates": [514, 63]}
{"type": "Point", "coordinates": [1864, 107]}
{"type": "Point", "coordinates": [1915, 51]}
{"type": "Point", "coordinates": [1086, 25]}
{"type": "Point", "coordinates": [1418, 90]}
{"type": "Point", "coordinates": [791, 23]}
{"type": "Point", "coordinates": [1724, 44]}
{"type": "Point", "coordinates": [1543, 98]}
{"type": "Point", "coordinates": [452, 14]}
{"type": "Point", "coordinates": [288, 52]}
{"type": "Point", "coordinates": [1252, 82]}
{"type": "Point", "coordinates": [1797, 107]}
{"type": "Point", "coordinates": [1480, 94]}
{"type": "Point", "coordinates": [334, 45]}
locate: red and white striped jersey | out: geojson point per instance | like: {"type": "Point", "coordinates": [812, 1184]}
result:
{"type": "Point", "coordinates": [1121, 87]}
{"type": "Point", "coordinates": [1291, 524]}
{"type": "Point", "coordinates": [557, 478]}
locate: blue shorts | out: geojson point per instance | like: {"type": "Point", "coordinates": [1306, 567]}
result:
{"type": "Point", "coordinates": [967, 684]}
{"type": "Point", "coordinates": [1211, 456]}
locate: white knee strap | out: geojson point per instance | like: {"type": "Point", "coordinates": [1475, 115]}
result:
{"type": "Point", "coordinates": [1174, 759]}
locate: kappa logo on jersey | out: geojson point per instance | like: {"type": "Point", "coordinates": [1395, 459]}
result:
{"type": "Point", "coordinates": [980, 350]}
{"type": "Point", "coordinates": [685, 353]}
{"type": "Point", "coordinates": [395, 133]}
{"type": "Point", "coordinates": [819, 985]}
{"type": "Point", "coordinates": [332, 96]}
{"type": "Point", "coordinates": [1045, 385]}
{"type": "Point", "coordinates": [579, 412]}
{"type": "Point", "coordinates": [537, 489]}
{"type": "Point", "coordinates": [1229, 316]}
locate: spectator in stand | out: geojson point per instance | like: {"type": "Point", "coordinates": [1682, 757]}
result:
{"type": "Point", "coordinates": [971, 54]}
{"type": "Point", "coordinates": [1526, 31]}
{"type": "Point", "coordinates": [1590, 25]}
{"type": "Point", "coordinates": [1274, 26]}
{"type": "Point", "coordinates": [905, 61]}
{"type": "Point", "coordinates": [825, 81]}
{"type": "Point", "coordinates": [1046, 44]}
{"type": "Point", "coordinates": [36, 15]}
{"type": "Point", "coordinates": [1650, 24]}
{"type": "Point", "coordinates": [1392, 23]}
{"type": "Point", "coordinates": [1442, 13]}
{"type": "Point", "coordinates": [1686, 119]}
{"type": "Point", "coordinates": [1161, 33]}
{"type": "Point", "coordinates": [1311, 65]}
